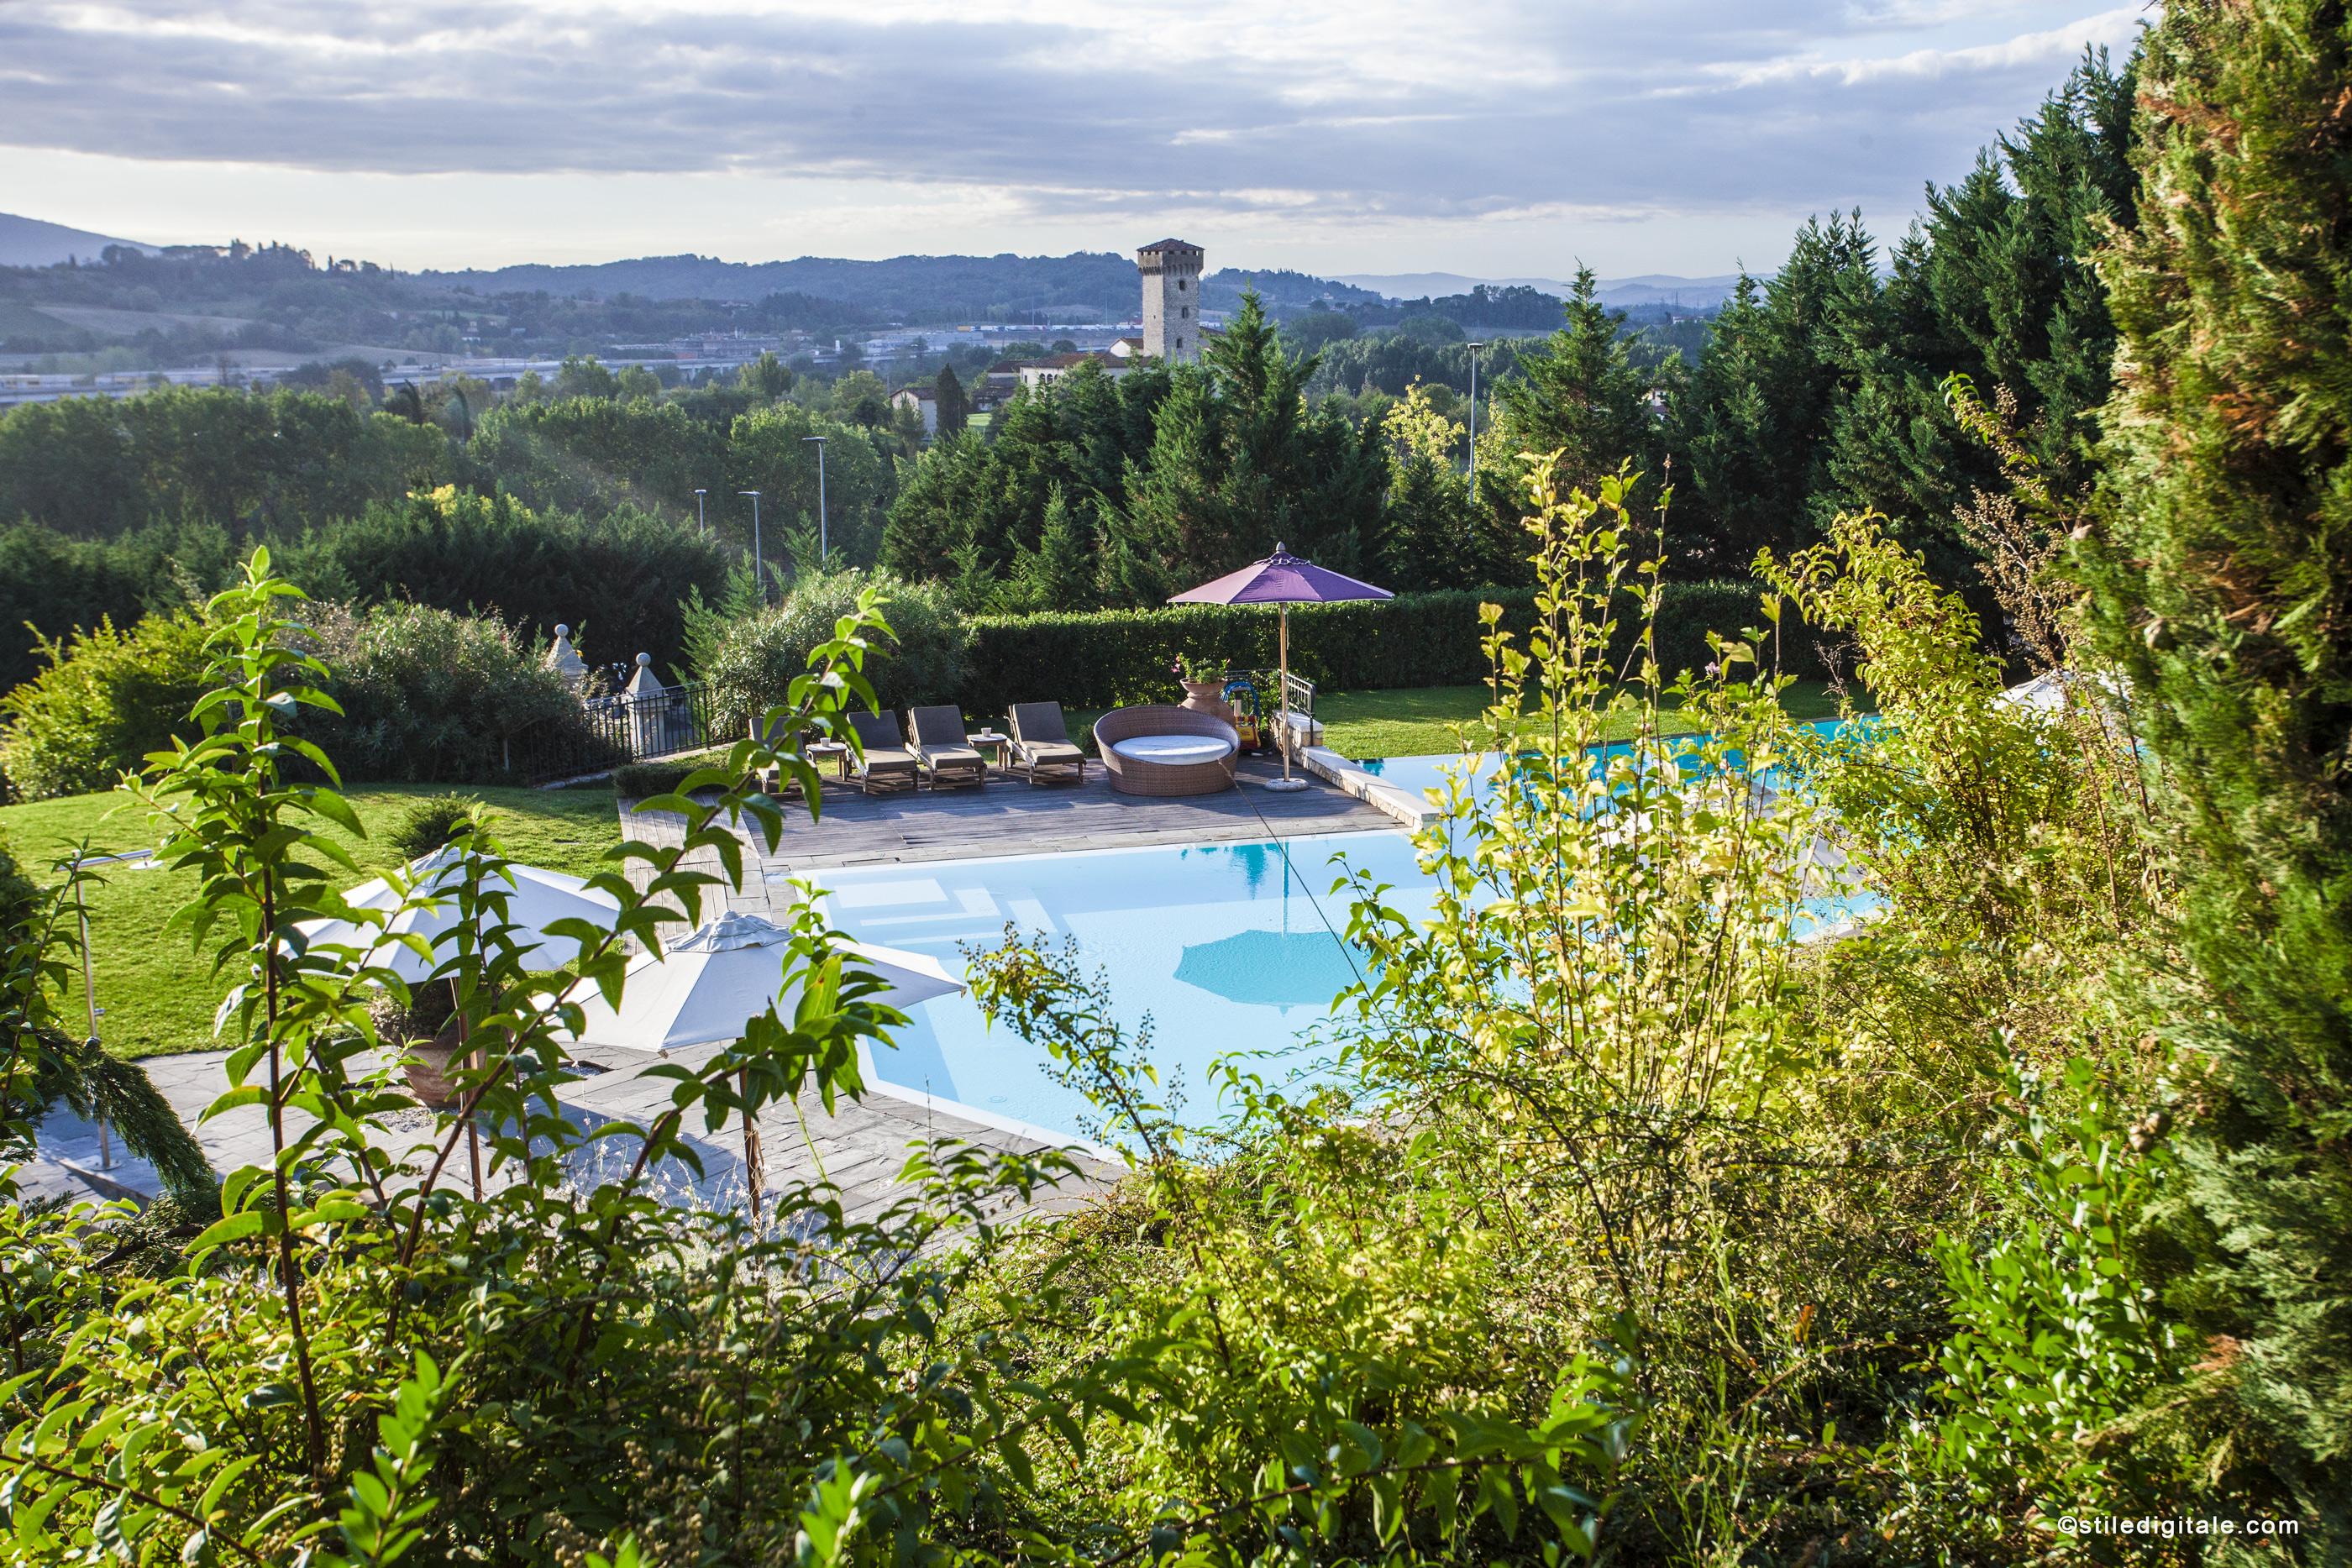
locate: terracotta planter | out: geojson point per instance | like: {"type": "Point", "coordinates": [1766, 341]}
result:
{"type": "Point", "coordinates": [428, 1065]}
{"type": "Point", "coordinates": [1208, 697]}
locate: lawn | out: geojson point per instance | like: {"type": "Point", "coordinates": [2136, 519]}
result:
{"type": "Point", "coordinates": [1420, 721]}
{"type": "Point", "coordinates": [158, 996]}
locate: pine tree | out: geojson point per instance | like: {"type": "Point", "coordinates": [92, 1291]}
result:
{"type": "Point", "coordinates": [954, 410]}
{"type": "Point", "coordinates": [1060, 574]}
{"type": "Point", "coordinates": [1580, 394]}
{"type": "Point", "coordinates": [2221, 582]}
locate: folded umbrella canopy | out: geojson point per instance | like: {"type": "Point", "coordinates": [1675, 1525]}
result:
{"type": "Point", "coordinates": [535, 899]}
{"type": "Point", "coordinates": [1284, 579]}
{"type": "Point", "coordinates": [711, 982]}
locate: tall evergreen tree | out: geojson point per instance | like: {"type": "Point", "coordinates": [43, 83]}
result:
{"type": "Point", "coordinates": [954, 410]}
{"type": "Point", "coordinates": [1239, 464]}
{"type": "Point", "coordinates": [1753, 424]}
{"type": "Point", "coordinates": [1581, 394]}
{"type": "Point", "coordinates": [1996, 284]}
{"type": "Point", "coordinates": [2221, 582]}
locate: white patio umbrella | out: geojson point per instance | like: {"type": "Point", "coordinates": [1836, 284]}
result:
{"type": "Point", "coordinates": [535, 899]}
{"type": "Point", "coordinates": [710, 983]}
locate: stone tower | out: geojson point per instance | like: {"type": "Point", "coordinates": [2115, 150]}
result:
{"type": "Point", "coordinates": [1171, 300]}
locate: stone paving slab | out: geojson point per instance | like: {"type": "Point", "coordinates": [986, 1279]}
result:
{"type": "Point", "coordinates": [862, 1146]}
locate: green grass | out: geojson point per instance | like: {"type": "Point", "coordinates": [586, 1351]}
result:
{"type": "Point", "coordinates": [158, 995]}
{"type": "Point", "coordinates": [1420, 722]}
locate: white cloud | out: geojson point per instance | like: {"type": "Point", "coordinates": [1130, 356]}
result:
{"type": "Point", "coordinates": [1319, 124]}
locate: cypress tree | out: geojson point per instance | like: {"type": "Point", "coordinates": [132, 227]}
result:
{"type": "Point", "coordinates": [954, 410]}
{"type": "Point", "coordinates": [2221, 581]}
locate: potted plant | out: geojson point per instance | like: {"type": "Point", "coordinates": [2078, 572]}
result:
{"type": "Point", "coordinates": [1204, 685]}
{"type": "Point", "coordinates": [425, 1035]}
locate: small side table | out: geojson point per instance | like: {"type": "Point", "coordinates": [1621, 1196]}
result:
{"type": "Point", "coordinates": [839, 750]}
{"type": "Point", "coordinates": [1003, 745]}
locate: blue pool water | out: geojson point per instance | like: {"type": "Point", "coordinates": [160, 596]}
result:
{"type": "Point", "coordinates": [1229, 948]}
{"type": "Point", "coordinates": [1416, 774]}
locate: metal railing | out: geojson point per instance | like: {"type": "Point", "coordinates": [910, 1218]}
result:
{"type": "Point", "coordinates": [616, 730]}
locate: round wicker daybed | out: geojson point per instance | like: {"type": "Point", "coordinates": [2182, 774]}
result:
{"type": "Point", "coordinates": [1159, 750]}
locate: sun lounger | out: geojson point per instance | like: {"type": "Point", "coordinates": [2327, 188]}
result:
{"type": "Point", "coordinates": [1041, 751]}
{"type": "Point", "coordinates": [884, 762]}
{"type": "Point", "coordinates": [939, 744]}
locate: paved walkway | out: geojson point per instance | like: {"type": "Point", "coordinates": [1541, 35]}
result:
{"type": "Point", "coordinates": [860, 1146]}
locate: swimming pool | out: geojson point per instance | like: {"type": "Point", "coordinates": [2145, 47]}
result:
{"type": "Point", "coordinates": [1228, 948]}
{"type": "Point", "coordinates": [1416, 774]}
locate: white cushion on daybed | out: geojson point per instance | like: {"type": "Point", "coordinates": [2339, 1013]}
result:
{"type": "Point", "coordinates": [1174, 750]}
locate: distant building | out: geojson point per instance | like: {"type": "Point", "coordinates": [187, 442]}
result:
{"type": "Point", "coordinates": [924, 401]}
{"type": "Point", "coordinates": [1171, 300]}
{"type": "Point", "coordinates": [1037, 373]}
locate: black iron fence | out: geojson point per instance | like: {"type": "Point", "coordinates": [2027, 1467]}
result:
{"type": "Point", "coordinates": [615, 730]}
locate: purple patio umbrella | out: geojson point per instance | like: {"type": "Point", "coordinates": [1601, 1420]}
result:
{"type": "Point", "coordinates": [1282, 580]}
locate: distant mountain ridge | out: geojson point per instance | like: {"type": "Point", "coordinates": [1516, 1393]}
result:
{"type": "Point", "coordinates": [1650, 288]}
{"type": "Point", "coordinates": [32, 242]}
{"type": "Point", "coordinates": [1100, 284]}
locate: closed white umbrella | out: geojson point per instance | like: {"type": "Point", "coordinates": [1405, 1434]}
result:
{"type": "Point", "coordinates": [535, 899]}
{"type": "Point", "coordinates": [708, 984]}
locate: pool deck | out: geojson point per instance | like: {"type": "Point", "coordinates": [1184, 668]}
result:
{"type": "Point", "coordinates": [1007, 816]}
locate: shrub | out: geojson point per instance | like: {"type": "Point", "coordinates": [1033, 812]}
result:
{"type": "Point", "coordinates": [636, 780]}
{"type": "Point", "coordinates": [619, 582]}
{"type": "Point", "coordinates": [924, 659]}
{"type": "Point", "coordinates": [1114, 656]}
{"type": "Point", "coordinates": [427, 825]}
{"type": "Point", "coordinates": [108, 698]}
{"type": "Point", "coordinates": [432, 697]}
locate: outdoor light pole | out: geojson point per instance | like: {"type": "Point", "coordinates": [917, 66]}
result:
{"type": "Point", "coordinates": [701, 520]}
{"type": "Point", "coordinates": [1474, 347]}
{"type": "Point", "coordinates": [89, 985]}
{"type": "Point", "coordinates": [820, 440]}
{"type": "Point", "coordinates": [759, 566]}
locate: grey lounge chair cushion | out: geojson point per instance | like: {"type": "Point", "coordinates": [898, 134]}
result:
{"type": "Point", "coordinates": [939, 741]}
{"type": "Point", "coordinates": [1037, 725]}
{"type": "Point", "coordinates": [950, 759]}
{"type": "Point", "coordinates": [884, 748]}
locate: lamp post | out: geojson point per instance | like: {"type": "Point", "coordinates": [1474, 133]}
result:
{"type": "Point", "coordinates": [89, 983]}
{"type": "Point", "coordinates": [820, 440]}
{"type": "Point", "coordinates": [701, 521]}
{"type": "Point", "coordinates": [759, 565]}
{"type": "Point", "coordinates": [1474, 347]}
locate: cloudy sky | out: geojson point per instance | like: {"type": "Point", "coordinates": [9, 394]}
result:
{"type": "Point", "coordinates": [1488, 137]}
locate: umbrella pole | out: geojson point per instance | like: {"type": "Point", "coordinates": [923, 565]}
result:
{"type": "Point", "coordinates": [1282, 655]}
{"type": "Point", "coordinates": [755, 1174]}
{"type": "Point", "coordinates": [1282, 704]}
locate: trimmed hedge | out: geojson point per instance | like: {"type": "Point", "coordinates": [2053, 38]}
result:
{"type": "Point", "coordinates": [1114, 657]}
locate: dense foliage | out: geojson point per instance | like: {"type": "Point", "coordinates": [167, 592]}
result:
{"type": "Point", "coordinates": [107, 698]}
{"type": "Point", "coordinates": [1113, 656]}
{"type": "Point", "coordinates": [757, 658]}
{"type": "Point", "coordinates": [2220, 559]}
{"type": "Point", "coordinates": [424, 696]}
